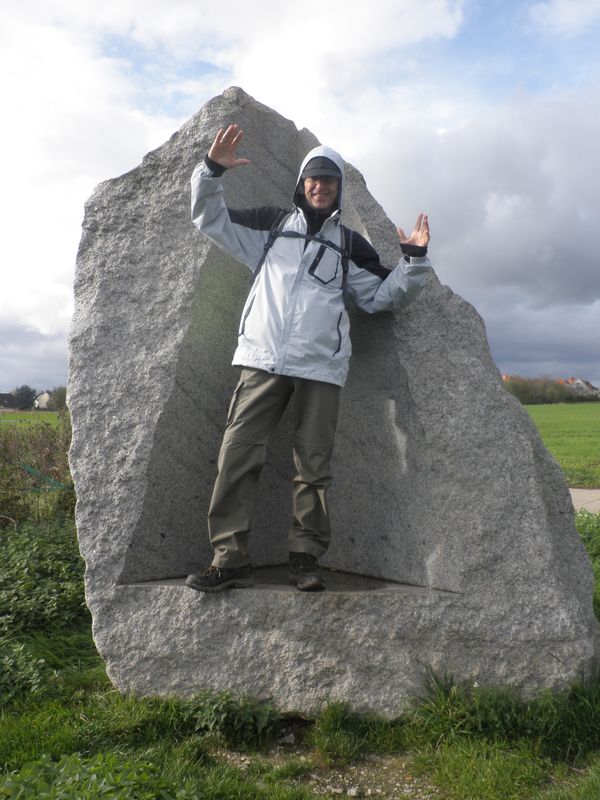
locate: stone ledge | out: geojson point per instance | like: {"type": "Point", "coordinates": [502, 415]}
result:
{"type": "Point", "coordinates": [275, 578]}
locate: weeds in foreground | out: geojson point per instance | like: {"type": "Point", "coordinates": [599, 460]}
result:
{"type": "Point", "coordinates": [111, 775]}
{"type": "Point", "coordinates": [238, 721]}
{"type": "Point", "coordinates": [564, 726]}
{"type": "Point", "coordinates": [41, 578]}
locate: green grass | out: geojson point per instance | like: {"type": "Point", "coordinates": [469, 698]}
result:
{"type": "Point", "coordinates": [29, 417]}
{"type": "Point", "coordinates": [577, 788]}
{"type": "Point", "coordinates": [478, 770]}
{"type": "Point", "coordinates": [571, 432]}
{"type": "Point", "coordinates": [63, 726]}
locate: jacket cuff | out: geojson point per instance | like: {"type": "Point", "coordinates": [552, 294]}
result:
{"type": "Point", "coordinates": [216, 169]}
{"type": "Point", "coordinates": [414, 250]}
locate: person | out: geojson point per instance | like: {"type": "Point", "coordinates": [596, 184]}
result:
{"type": "Point", "coordinates": [293, 341]}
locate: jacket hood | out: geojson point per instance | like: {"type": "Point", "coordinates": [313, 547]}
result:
{"type": "Point", "coordinates": [327, 152]}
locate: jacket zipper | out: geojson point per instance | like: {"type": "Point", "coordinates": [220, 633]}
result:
{"type": "Point", "coordinates": [339, 333]}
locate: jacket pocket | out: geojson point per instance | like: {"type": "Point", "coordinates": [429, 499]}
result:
{"type": "Point", "coordinates": [326, 265]}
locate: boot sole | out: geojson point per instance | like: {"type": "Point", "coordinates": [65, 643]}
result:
{"type": "Point", "coordinates": [310, 583]}
{"type": "Point", "coordinates": [234, 583]}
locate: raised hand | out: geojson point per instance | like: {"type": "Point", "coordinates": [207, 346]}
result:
{"type": "Point", "coordinates": [420, 234]}
{"type": "Point", "coordinates": [224, 146]}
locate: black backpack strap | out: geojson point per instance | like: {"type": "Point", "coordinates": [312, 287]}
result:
{"type": "Point", "coordinates": [275, 231]}
{"type": "Point", "coordinates": [347, 234]}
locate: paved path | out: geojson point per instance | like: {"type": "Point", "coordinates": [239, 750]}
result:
{"type": "Point", "coordinates": [586, 498]}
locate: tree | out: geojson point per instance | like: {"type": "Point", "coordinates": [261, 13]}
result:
{"type": "Point", "coordinates": [25, 396]}
{"type": "Point", "coordinates": [58, 398]}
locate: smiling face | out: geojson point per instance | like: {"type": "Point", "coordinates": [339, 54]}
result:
{"type": "Point", "coordinates": [321, 191]}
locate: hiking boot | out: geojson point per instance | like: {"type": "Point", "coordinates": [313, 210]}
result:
{"type": "Point", "coordinates": [216, 579]}
{"type": "Point", "coordinates": [304, 572]}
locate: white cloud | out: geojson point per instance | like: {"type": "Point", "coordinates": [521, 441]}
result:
{"type": "Point", "coordinates": [566, 17]}
{"type": "Point", "coordinates": [337, 26]}
{"type": "Point", "coordinates": [509, 194]}
{"type": "Point", "coordinates": [68, 123]}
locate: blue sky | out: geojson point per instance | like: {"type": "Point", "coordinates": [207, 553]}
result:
{"type": "Point", "coordinates": [485, 114]}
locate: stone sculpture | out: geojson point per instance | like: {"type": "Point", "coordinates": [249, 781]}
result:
{"type": "Point", "coordinates": [454, 542]}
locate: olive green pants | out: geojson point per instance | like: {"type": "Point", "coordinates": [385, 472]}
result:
{"type": "Point", "coordinates": [258, 403]}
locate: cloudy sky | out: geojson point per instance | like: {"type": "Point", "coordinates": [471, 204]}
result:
{"type": "Point", "coordinates": [485, 113]}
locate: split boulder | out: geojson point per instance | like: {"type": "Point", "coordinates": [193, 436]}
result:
{"type": "Point", "coordinates": [454, 543]}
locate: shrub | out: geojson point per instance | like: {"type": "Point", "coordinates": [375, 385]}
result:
{"type": "Point", "coordinates": [35, 481]}
{"type": "Point", "coordinates": [240, 721]}
{"type": "Point", "coordinates": [41, 578]}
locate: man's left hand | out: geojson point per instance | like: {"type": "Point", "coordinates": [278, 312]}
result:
{"type": "Point", "coordinates": [420, 234]}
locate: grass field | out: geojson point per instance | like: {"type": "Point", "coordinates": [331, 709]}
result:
{"type": "Point", "coordinates": [571, 432]}
{"type": "Point", "coordinates": [29, 417]}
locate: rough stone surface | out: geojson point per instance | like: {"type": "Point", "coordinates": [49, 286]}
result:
{"type": "Point", "coordinates": [443, 491]}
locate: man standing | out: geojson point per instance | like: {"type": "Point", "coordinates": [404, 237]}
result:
{"type": "Point", "coordinates": [293, 340]}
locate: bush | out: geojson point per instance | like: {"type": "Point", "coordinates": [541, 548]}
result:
{"type": "Point", "coordinates": [35, 481]}
{"type": "Point", "coordinates": [41, 578]}
{"type": "Point", "coordinates": [240, 721]}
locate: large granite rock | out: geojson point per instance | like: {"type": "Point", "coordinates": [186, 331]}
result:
{"type": "Point", "coordinates": [454, 545]}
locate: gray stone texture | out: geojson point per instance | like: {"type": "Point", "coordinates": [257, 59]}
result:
{"type": "Point", "coordinates": [444, 495]}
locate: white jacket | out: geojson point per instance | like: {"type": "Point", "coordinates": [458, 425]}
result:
{"type": "Point", "coordinates": [294, 321]}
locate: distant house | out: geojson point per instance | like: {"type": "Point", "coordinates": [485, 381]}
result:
{"type": "Point", "coordinates": [42, 401]}
{"type": "Point", "coordinates": [582, 387]}
{"type": "Point", "coordinates": [9, 401]}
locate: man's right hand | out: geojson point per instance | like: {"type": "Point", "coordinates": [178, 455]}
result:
{"type": "Point", "coordinates": [224, 146]}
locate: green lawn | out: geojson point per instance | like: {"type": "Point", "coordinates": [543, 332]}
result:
{"type": "Point", "coordinates": [28, 417]}
{"type": "Point", "coordinates": [571, 432]}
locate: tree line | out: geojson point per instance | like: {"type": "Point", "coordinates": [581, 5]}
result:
{"type": "Point", "coordinates": [24, 397]}
{"type": "Point", "coordinates": [535, 391]}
